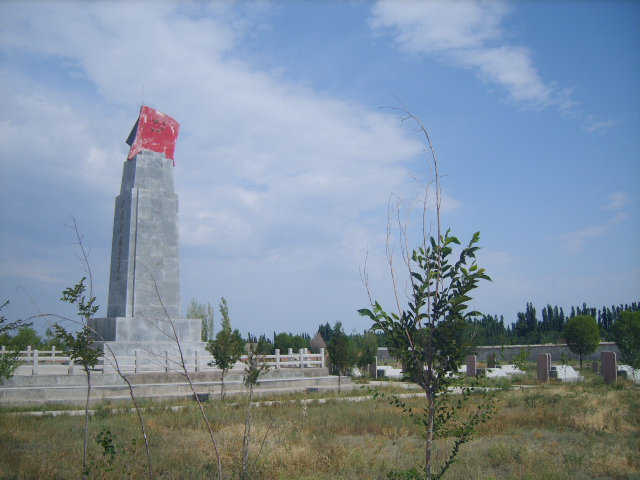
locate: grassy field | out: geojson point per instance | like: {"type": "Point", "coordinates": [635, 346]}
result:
{"type": "Point", "coordinates": [555, 431]}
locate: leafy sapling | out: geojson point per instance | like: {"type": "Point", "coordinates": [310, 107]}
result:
{"type": "Point", "coordinates": [256, 366]}
{"type": "Point", "coordinates": [226, 348]}
{"type": "Point", "coordinates": [424, 335]}
{"type": "Point", "coordinates": [521, 360]}
{"type": "Point", "coordinates": [10, 360]}
{"type": "Point", "coordinates": [342, 355]}
{"type": "Point", "coordinates": [80, 345]}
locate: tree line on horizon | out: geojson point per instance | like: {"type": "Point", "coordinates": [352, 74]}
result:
{"type": "Point", "coordinates": [528, 329]}
{"type": "Point", "coordinates": [489, 330]}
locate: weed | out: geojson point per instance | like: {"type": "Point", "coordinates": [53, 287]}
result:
{"type": "Point", "coordinates": [552, 432]}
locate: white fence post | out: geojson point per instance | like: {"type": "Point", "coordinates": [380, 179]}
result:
{"type": "Point", "coordinates": [197, 360]}
{"type": "Point", "coordinates": [70, 366]}
{"type": "Point", "coordinates": [302, 359]}
{"type": "Point", "coordinates": [53, 351]}
{"type": "Point", "coordinates": [166, 361]}
{"type": "Point", "coordinates": [35, 363]}
{"type": "Point", "coordinates": [277, 358]}
{"type": "Point", "coordinates": [322, 358]}
{"type": "Point", "coordinates": [137, 355]}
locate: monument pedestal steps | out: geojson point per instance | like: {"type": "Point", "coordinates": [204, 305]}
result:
{"type": "Point", "coordinates": [72, 389]}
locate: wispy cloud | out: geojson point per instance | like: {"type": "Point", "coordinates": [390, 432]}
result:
{"type": "Point", "coordinates": [593, 124]}
{"type": "Point", "coordinates": [574, 241]}
{"type": "Point", "coordinates": [617, 201]}
{"type": "Point", "coordinates": [470, 35]}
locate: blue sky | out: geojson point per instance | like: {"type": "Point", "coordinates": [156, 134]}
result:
{"type": "Point", "coordinates": [286, 161]}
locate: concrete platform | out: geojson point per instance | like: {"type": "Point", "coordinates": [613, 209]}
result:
{"type": "Point", "coordinates": [28, 390]}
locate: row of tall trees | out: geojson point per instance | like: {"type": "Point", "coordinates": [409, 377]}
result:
{"type": "Point", "coordinates": [358, 348]}
{"type": "Point", "coordinates": [529, 328]}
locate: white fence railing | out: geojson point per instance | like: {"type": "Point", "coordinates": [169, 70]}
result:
{"type": "Point", "coordinates": [54, 361]}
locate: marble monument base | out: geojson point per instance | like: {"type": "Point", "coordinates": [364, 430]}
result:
{"type": "Point", "coordinates": [153, 340]}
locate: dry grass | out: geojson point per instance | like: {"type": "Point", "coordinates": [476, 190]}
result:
{"type": "Point", "coordinates": [586, 431]}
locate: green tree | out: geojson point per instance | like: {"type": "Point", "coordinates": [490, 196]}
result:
{"type": "Point", "coordinates": [422, 336]}
{"type": "Point", "coordinates": [10, 360]}
{"type": "Point", "coordinates": [6, 326]}
{"type": "Point", "coordinates": [521, 360]}
{"type": "Point", "coordinates": [224, 312]}
{"type": "Point", "coordinates": [285, 341]}
{"type": "Point", "coordinates": [9, 363]}
{"type": "Point", "coordinates": [205, 313]}
{"type": "Point", "coordinates": [26, 337]}
{"type": "Point", "coordinates": [80, 345]}
{"type": "Point", "coordinates": [325, 331]}
{"type": "Point", "coordinates": [226, 348]}
{"type": "Point", "coordinates": [341, 353]}
{"type": "Point", "coordinates": [626, 332]}
{"type": "Point", "coordinates": [256, 366]}
{"type": "Point", "coordinates": [368, 350]}
{"type": "Point", "coordinates": [582, 335]}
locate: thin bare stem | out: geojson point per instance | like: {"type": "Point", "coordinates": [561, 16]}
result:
{"type": "Point", "coordinates": [188, 376]}
{"type": "Point", "coordinates": [86, 266]}
{"type": "Point", "coordinates": [430, 383]}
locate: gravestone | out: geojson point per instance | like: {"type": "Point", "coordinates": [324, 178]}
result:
{"type": "Point", "coordinates": [629, 373]}
{"type": "Point", "coordinates": [565, 373]}
{"type": "Point", "coordinates": [544, 365]}
{"type": "Point", "coordinates": [595, 367]}
{"type": "Point", "coordinates": [471, 365]}
{"type": "Point", "coordinates": [511, 370]}
{"type": "Point", "coordinates": [372, 369]}
{"type": "Point", "coordinates": [491, 360]}
{"type": "Point", "coordinates": [609, 367]}
{"type": "Point", "coordinates": [143, 310]}
{"type": "Point", "coordinates": [494, 373]}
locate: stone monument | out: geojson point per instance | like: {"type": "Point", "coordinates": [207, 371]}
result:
{"type": "Point", "coordinates": [143, 310]}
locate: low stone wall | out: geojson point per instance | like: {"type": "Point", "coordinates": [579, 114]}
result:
{"type": "Point", "coordinates": [505, 354]}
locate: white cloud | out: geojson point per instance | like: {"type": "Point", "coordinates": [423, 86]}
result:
{"type": "Point", "coordinates": [469, 34]}
{"type": "Point", "coordinates": [617, 201]}
{"type": "Point", "coordinates": [593, 124]}
{"type": "Point", "coordinates": [574, 241]}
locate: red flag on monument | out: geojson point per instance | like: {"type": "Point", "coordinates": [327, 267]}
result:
{"type": "Point", "coordinates": [153, 131]}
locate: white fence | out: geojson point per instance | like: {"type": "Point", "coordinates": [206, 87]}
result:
{"type": "Point", "coordinates": [54, 361]}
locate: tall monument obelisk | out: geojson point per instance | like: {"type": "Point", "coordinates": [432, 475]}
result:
{"type": "Point", "coordinates": [144, 289]}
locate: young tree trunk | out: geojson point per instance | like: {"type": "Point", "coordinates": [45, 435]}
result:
{"type": "Point", "coordinates": [247, 438]}
{"type": "Point", "coordinates": [86, 425]}
{"type": "Point", "coordinates": [144, 431]}
{"type": "Point", "coordinates": [430, 416]}
{"type": "Point", "coordinates": [222, 390]}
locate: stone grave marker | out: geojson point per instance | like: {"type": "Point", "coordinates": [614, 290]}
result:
{"type": "Point", "coordinates": [491, 361]}
{"type": "Point", "coordinates": [609, 366]}
{"type": "Point", "coordinates": [544, 365]}
{"type": "Point", "coordinates": [471, 365]}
